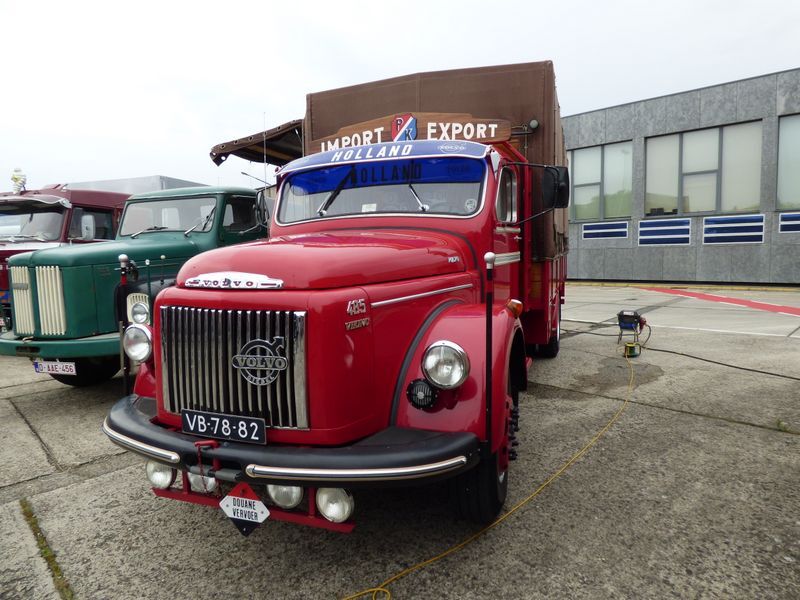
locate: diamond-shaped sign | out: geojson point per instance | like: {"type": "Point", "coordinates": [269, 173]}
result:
{"type": "Point", "coordinates": [243, 506]}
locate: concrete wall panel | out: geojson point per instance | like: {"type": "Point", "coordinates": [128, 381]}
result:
{"type": "Point", "coordinates": [750, 263]}
{"type": "Point", "coordinates": [788, 92]}
{"type": "Point", "coordinates": [714, 263]}
{"type": "Point", "coordinates": [680, 264]}
{"type": "Point", "coordinates": [651, 117]}
{"type": "Point", "coordinates": [620, 123]}
{"type": "Point", "coordinates": [590, 265]}
{"type": "Point", "coordinates": [618, 263]}
{"type": "Point", "coordinates": [755, 98]}
{"type": "Point", "coordinates": [718, 105]}
{"type": "Point", "coordinates": [683, 112]}
{"type": "Point", "coordinates": [648, 264]}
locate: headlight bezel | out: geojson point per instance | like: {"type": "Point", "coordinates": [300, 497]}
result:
{"type": "Point", "coordinates": [128, 341]}
{"type": "Point", "coordinates": [455, 351]}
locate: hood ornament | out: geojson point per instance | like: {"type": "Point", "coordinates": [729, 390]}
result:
{"type": "Point", "coordinates": [234, 280]}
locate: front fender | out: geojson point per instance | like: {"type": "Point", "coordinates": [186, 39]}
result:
{"type": "Point", "coordinates": [463, 409]}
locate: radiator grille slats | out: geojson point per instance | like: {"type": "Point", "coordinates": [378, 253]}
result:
{"type": "Point", "coordinates": [50, 293]}
{"type": "Point", "coordinates": [198, 372]}
{"type": "Point", "coordinates": [22, 298]}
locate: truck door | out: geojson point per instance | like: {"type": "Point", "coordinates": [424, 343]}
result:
{"type": "Point", "coordinates": [507, 235]}
{"type": "Point", "coordinates": [239, 223]}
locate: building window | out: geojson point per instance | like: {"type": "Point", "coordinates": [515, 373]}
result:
{"type": "Point", "coordinates": [710, 170]}
{"type": "Point", "coordinates": [789, 163]}
{"type": "Point", "coordinates": [602, 181]}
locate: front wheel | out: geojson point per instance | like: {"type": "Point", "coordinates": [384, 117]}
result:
{"type": "Point", "coordinates": [479, 494]}
{"type": "Point", "coordinates": [90, 371]}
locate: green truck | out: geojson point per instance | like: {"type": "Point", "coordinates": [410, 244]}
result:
{"type": "Point", "coordinates": [67, 302]}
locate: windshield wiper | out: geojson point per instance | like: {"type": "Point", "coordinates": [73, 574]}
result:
{"type": "Point", "coordinates": [204, 223]}
{"type": "Point", "coordinates": [14, 236]}
{"type": "Point", "coordinates": [422, 207]}
{"type": "Point", "coordinates": [323, 208]}
{"type": "Point", "coordinates": [153, 228]}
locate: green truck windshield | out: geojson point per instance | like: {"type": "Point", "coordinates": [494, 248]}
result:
{"type": "Point", "coordinates": [169, 214]}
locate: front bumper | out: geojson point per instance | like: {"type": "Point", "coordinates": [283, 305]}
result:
{"type": "Point", "coordinates": [392, 455]}
{"type": "Point", "coordinates": [106, 344]}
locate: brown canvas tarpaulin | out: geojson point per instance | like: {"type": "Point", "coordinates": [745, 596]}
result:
{"type": "Point", "coordinates": [276, 146]}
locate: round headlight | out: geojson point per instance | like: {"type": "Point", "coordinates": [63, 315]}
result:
{"type": "Point", "coordinates": [285, 496]}
{"type": "Point", "coordinates": [335, 504]}
{"type": "Point", "coordinates": [140, 313]}
{"type": "Point", "coordinates": [160, 476]}
{"type": "Point", "coordinates": [201, 483]}
{"type": "Point", "coordinates": [445, 365]}
{"type": "Point", "coordinates": [137, 341]}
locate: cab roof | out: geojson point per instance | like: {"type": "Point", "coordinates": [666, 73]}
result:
{"type": "Point", "coordinates": [195, 191]}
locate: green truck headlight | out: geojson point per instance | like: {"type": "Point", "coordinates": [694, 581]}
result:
{"type": "Point", "coordinates": [140, 313]}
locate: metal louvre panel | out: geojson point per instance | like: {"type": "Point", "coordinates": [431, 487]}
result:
{"type": "Point", "coordinates": [198, 346]}
{"type": "Point", "coordinates": [50, 292]}
{"type": "Point", "coordinates": [23, 301]}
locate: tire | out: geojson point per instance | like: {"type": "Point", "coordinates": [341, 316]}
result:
{"type": "Point", "coordinates": [479, 494]}
{"type": "Point", "coordinates": [550, 350]}
{"type": "Point", "coordinates": [90, 371]}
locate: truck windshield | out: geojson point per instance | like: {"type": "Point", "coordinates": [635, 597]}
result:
{"type": "Point", "coordinates": [30, 221]}
{"type": "Point", "coordinates": [177, 214]}
{"type": "Point", "coordinates": [443, 186]}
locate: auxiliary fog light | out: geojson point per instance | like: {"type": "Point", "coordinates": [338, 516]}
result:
{"type": "Point", "coordinates": [137, 342]}
{"type": "Point", "coordinates": [201, 483]}
{"type": "Point", "coordinates": [160, 476]}
{"type": "Point", "coordinates": [285, 496]}
{"type": "Point", "coordinates": [335, 504]}
{"type": "Point", "coordinates": [445, 365]}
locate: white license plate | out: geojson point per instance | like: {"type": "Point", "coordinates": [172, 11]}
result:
{"type": "Point", "coordinates": [54, 366]}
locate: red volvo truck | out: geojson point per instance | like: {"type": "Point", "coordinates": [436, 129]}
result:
{"type": "Point", "coordinates": [381, 336]}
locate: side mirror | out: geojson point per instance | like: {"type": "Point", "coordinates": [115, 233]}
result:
{"type": "Point", "coordinates": [555, 187]}
{"type": "Point", "coordinates": [87, 227]}
{"type": "Point", "coordinates": [262, 208]}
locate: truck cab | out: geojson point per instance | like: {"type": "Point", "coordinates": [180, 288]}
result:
{"type": "Point", "coordinates": [68, 302]}
{"type": "Point", "coordinates": [50, 218]}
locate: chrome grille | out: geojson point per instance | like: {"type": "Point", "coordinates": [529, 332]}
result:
{"type": "Point", "coordinates": [50, 293]}
{"type": "Point", "coordinates": [22, 297]}
{"type": "Point", "coordinates": [198, 346]}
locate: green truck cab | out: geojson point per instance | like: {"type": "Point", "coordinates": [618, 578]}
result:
{"type": "Point", "coordinates": [68, 303]}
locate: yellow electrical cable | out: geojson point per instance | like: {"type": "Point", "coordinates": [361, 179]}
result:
{"type": "Point", "coordinates": [382, 587]}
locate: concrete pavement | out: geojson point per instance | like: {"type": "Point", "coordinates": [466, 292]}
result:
{"type": "Point", "coordinates": [692, 493]}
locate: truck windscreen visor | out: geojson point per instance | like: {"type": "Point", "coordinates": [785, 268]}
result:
{"type": "Point", "coordinates": [441, 185]}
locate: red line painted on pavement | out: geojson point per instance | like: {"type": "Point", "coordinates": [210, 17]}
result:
{"type": "Point", "coordinates": [785, 310]}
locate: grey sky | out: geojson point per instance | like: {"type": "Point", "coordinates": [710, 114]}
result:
{"type": "Point", "coordinates": [102, 90]}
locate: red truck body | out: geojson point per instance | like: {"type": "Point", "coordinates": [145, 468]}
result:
{"type": "Point", "coordinates": [383, 331]}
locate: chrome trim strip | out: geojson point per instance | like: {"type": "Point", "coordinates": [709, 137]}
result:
{"type": "Point", "coordinates": [386, 474]}
{"type": "Point", "coordinates": [299, 368]}
{"type": "Point", "coordinates": [506, 258]}
{"type": "Point", "coordinates": [140, 447]}
{"type": "Point", "coordinates": [465, 286]}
